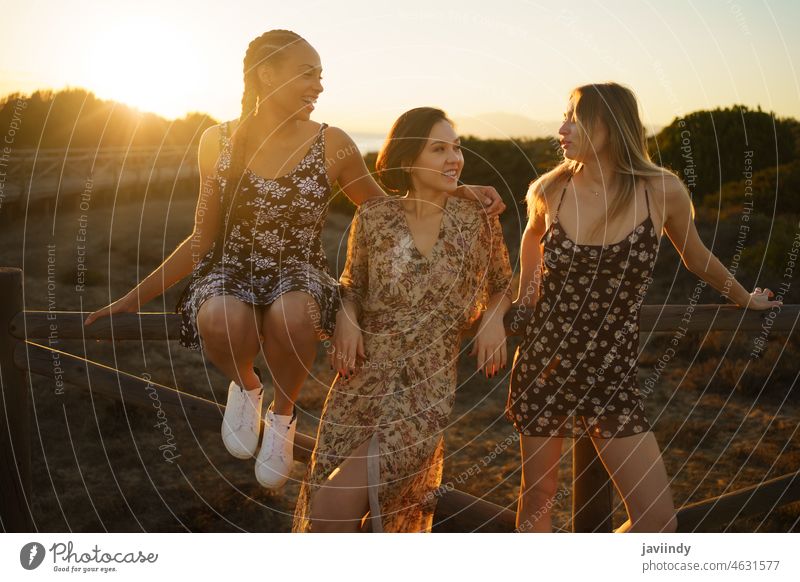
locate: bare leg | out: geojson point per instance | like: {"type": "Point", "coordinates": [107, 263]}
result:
{"type": "Point", "coordinates": [540, 457]}
{"type": "Point", "coordinates": [341, 503]}
{"type": "Point", "coordinates": [289, 327]}
{"type": "Point", "coordinates": [229, 330]}
{"type": "Point", "coordinates": [638, 472]}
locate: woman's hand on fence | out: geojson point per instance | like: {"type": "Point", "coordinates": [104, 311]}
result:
{"type": "Point", "coordinates": [760, 300]}
{"type": "Point", "coordinates": [348, 345]}
{"type": "Point", "coordinates": [126, 304]}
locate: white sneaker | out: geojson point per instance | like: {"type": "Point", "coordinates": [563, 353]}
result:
{"type": "Point", "coordinates": [274, 461]}
{"type": "Point", "coordinates": [242, 421]}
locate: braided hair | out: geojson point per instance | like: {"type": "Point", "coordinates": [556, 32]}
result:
{"type": "Point", "coordinates": [267, 48]}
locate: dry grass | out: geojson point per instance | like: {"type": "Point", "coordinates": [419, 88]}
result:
{"type": "Point", "coordinates": [97, 465]}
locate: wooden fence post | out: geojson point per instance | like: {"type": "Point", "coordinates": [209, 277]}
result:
{"type": "Point", "coordinates": [15, 445]}
{"type": "Point", "coordinates": [591, 490]}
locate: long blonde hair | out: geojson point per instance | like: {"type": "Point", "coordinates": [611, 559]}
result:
{"type": "Point", "coordinates": [615, 106]}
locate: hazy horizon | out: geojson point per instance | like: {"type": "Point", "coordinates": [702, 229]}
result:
{"type": "Point", "coordinates": [494, 125]}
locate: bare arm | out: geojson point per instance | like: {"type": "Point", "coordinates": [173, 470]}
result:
{"type": "Point", "coordinates": [349, 169]}
{"type": "Point", "coordinates": [192, 249]}
{"type": "Point", "coordinates": [490, 339]}
{"type": "Point", "coordinates": [530, 257]}
{"type": "Point", "coordinates": [348, 339]}
{"type": "Point", "coordinates": [680, 228]}
{"type": "Point", "coordinates": [354, 179]}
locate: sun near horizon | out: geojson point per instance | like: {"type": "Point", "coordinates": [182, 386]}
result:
{"type": "Point", "coordinates": [495, 72]}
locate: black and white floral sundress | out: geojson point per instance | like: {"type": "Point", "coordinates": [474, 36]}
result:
{"type": "Point", "coordinates": [274, 242]}
{"type": "Point", "coordinates": [575, 369]}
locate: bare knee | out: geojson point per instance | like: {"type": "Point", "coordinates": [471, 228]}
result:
{"type": "Point", "coordinates": [293, 318]}
{"type": "Point", "coordinates": [223, 324]}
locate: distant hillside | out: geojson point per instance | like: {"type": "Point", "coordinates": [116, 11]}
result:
{"type": "Point", "coordinates": [502, 125]}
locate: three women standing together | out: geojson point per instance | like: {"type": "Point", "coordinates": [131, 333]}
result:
{"type": "Point", "coordinates": [421, 268]}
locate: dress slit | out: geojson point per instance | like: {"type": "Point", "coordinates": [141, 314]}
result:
{"type": "Point", "coordinates": [401, 399]}
{"type": "Point", "coordinates": [373, 478]}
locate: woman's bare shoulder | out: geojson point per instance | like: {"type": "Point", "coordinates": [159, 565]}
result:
{"type": "Point", "coordinates": [209, 147]}
{"type": "Point", "coordinates": [550, 188]}
{"type": "Point", "coordinates": [340, 142]}
{"type": "Point", "coordinates": [665, 185]}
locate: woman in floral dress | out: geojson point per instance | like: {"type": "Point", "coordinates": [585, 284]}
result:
{"type": "Point", "coordinates": [260, 279]}
{"type": "Point", "coordinates": [575, 370]}
{"type": "Point", "coordinates": [420, 269]}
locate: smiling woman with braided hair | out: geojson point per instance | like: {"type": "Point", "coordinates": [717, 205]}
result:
{"type": "Point", "coordinates": [262, 279]}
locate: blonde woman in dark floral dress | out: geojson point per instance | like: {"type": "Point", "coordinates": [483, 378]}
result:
{"type": "Point", "coordinates": [260, 279]}
{"type": "Point", "coordinates": [420, 269]}
{"type": "Point", "coordinates": [587, 257]}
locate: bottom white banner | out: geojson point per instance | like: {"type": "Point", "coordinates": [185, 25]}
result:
{"type": "Point", "coordinates": [399, 557]}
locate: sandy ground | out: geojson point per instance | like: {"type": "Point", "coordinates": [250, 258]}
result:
{"type": "Point", "coordinates": [97, 465]}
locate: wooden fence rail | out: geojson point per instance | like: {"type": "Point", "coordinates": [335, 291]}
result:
{"type": "Point", "coordinates": [592, 493]}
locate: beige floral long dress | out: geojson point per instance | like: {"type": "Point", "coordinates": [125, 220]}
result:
{"type": "Point", "coordinates": [413, 310]}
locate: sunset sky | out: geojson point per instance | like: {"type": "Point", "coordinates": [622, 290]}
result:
{"type": "Point", "coordinates": [476, 59]}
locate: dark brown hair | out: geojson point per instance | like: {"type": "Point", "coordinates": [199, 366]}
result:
{"type": "Point", "coordinates": [405, 141]}
{"type": "Point", "coordinates": [269, 48]}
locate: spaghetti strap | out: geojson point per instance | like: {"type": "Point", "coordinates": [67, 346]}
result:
{"type": "Point", "coordinates": [555, 218]}
{"type": "Point", "coordinates": [319, 140]}
{"type": "Point", "coordinates": [589, 300]}
{"type": "Point", "coordinates": [647, 201]}
{"type": "Point", "coordinates": [560, 201]}
{"type": "Point", "coordinates": [290, 210]}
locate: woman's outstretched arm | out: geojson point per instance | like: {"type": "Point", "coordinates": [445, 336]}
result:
{"type": "Point", "coordinates": [681, 230]}
{"type": "Point", "coordinates": [185, 256]}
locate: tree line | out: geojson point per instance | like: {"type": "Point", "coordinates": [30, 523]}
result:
{"type": "Point", "coordinates": [78, 119]}
{"type": "Point", "coordinates": [734, 161]}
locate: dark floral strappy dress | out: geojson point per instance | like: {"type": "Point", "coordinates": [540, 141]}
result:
{"type": "Point", "coordinates": [274, 242]}
{"type": "Point", "coordinates": [575, 369]}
